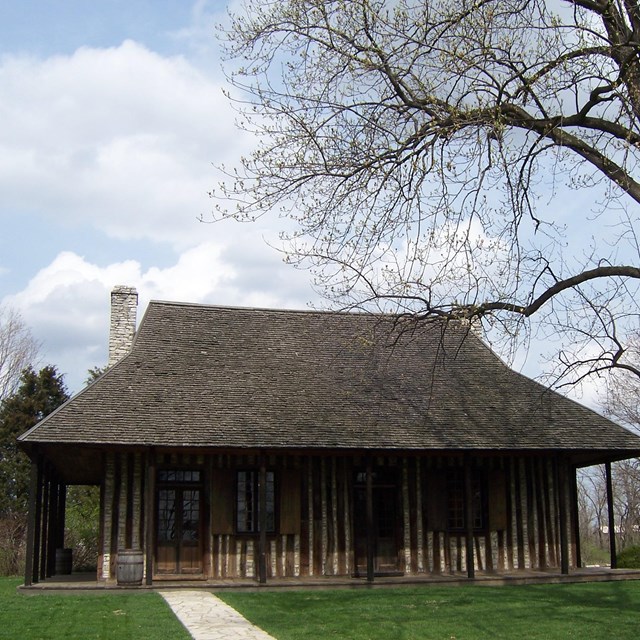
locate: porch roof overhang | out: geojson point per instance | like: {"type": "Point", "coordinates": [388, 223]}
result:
{"type": "Point", "coordinates": [77, 464]}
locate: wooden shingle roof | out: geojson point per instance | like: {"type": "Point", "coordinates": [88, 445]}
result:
{"type": "Point", "coordinates": [204, 376]}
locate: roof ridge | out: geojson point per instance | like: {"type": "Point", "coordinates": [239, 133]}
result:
{"type": "Point", "coordinates": [222, 307]}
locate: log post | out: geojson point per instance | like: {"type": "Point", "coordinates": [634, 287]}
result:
{"type": "Point", "coordinates": [562, 512]}
{"type": "Point", "coordinates": [33, 525]}
{"type": "Point", "coordinates": [149, 524]}
{"type": "Point", "coordinates": [468, 517]}
{"type": "Point", "coordinates": [52, 528]}
{"type": "Point", "coordinates": [576, 517]}
{"type": "Point", "coordinates": [370, 539]}
{"type": "Point", "coordinates": [61, 517]}
{"type": "Point", "coordinates": [612, 529]}
{"type": "Point", "coordinates": [45, 515]}
{"type": "Point", "coordinates": [262, 542]}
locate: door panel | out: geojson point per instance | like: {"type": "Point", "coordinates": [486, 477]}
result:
{"type": "Point", "coordinates": [385, 543]}
{"type": "Point", "coordinates": [384, 519]}
{"type": "Point", "coordinates": [190, 557]}
{"type": "Point", "coordinates": [167, 556]}
{"type": "Point", "coordinates": [178, 540]}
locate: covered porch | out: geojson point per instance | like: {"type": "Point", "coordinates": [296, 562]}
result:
{"type": "Point", "coordinates": [218, 519]}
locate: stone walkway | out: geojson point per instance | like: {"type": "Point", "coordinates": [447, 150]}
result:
{"type": "Point", "coordinates": [208, 618]}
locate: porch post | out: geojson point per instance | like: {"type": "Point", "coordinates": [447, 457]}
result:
{"type": "Point", "coordinates": [32, 525]}
{"type": "Point", "coordinates": [52, 529]}
{"type": "Point", "coordinates": [149, 509]}
{"type": "Point", "coordinates": [61, 517]}
{"type": "Point", "coordinates": [612, 530]}
{"type": "Point", "coordinates": [46, 520]}
{"type": "Point", "coordinates": [468, 516]}
{"type": "Point", "coordinates": [563, 470]}
{"type": "Point", "coordinates": [575, 515]}
{"type": "Point", "coordinates": [37, 534]}
{"type": "Point", "coordinates": [370, 540]}
{"type": "Point", "coordinates": [262, 542]}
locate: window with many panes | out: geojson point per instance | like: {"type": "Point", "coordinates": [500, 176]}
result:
{"type": "Point", "coordinates": [248, 501]}
{"type": "Point", "coordinates": [179, 504]}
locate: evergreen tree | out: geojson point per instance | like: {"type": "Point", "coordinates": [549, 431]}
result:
{"type": "Point", "coordinates": [38, 394]}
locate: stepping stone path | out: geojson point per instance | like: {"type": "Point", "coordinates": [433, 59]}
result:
{"type": "Point", "coordinates": [208, 618]}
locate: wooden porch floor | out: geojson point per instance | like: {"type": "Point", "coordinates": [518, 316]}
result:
{"type": "Point", "coordinates": [81, 582]}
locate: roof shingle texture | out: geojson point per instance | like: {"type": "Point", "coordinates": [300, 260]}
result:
{"type": "Point", "coordinates": [223, 377]}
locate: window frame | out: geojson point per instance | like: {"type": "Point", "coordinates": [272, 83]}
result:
{"type": "Point", "coordinates": [254, 527]}
{"type": "Point", "coordinates": [456, 511]}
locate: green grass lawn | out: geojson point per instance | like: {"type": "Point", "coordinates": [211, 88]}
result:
{"type": "Point", "coordinates": [584, 611]}
{"type": "Point", "coordinates": [135, 616]}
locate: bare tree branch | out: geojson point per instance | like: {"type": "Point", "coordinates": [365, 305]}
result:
{"type": "Point", "coordinates": [427, 158]}
{"type": "Point", "coordinates": [18, 350]}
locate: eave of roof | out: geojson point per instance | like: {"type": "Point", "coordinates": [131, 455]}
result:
{"type": "Point", "coordinates": [221, 377]}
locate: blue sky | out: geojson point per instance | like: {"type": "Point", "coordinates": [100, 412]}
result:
{"type": "Point", "coordinates": [111, 119]}
{"type": "Point", "coordinates": [48, 27]}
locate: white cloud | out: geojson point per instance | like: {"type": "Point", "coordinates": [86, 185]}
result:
{"type": "Point", "coordinates": [121, 141]}
{"type": "Point", "coordinates": [66, 304]}
{"type": "Point", "coordinates": [122, 137]}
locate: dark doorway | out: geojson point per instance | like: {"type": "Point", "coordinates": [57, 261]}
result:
{"type": "Point", "coordinates": [385, 525]}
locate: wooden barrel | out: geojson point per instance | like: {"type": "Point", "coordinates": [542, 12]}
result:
{"type": "Point", "coordinates": [129, 570]}
{"type": "Point", "coordinates": [64, 560]}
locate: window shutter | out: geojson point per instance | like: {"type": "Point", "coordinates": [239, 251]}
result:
{"type": "Point", "coordinates": [497, 501]}
{"type": "Point", "coordinates": [437, 501]}
{"type": "Point", "coordinates": [290, 501]}
{"type": "Point", "coordinates": [222, 501]}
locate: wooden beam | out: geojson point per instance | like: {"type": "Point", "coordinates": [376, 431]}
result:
{"type": "Point", "coordinates": [52, 529]}
{"type": "Point", "coordinates": [46, 482]}
{"type": "Point", "coordinates": [262, 541]}
{"type": "Point", "coordinates": [575, 516]}
{"type": "Point", "coordinates": [562, 512]}
{"type": "Point", "coordinates": [468, 516]}
{"type": "Point", "coordinates": [370, 539]}
{"type": "Point", "coordinates": [31, 525]}
{"type": "Point", "coordinates": [37, 536]}
{"type": "Point", "coordinates": [612, 528]}
{"type": "Point", "coordinates": [61, 517]}
{"type": "Point", "coordinates": [149, 520]}
{"type": "Point", "coordinates": [310, 514]}
{"type": "Point", "coordinates": [520, 541]}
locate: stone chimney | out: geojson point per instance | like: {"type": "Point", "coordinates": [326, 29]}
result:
{"type": "Point", "coordinates": [124, 304]}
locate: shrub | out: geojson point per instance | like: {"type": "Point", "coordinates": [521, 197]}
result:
{"type": "Point", "coordinates": [629, 558]}
{"type": "Point", "coordinates": [12, 544]}
{"type": "Point", "coordinates": [593, 555]}
{"type": "Point", "coordinates": [81, 526]}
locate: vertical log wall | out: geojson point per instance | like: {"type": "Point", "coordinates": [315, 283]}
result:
{"type": "Point", "coordinates": [315, 528]}
{"type": "Point", "coordinates": [122, 524]}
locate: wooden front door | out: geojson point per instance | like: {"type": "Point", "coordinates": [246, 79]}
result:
{"type": "Point", "coordinates": [179, 532]}
{"type": "Point", "coordinates": [385, 538]}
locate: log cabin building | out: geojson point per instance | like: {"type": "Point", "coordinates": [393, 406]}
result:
{"type": "Point", "coordinates": [235, 444]}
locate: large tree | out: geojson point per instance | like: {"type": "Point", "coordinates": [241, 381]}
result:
{"type": "Point", "coordinates": [470, 159]}
{"type": "Point", "coordinates": [38, 394]}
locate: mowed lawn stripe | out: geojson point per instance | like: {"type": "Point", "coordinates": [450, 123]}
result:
{"type": "Point", "coordinates": [595, 610]}
{"type": "Point", "coordinates": [85, 616]}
